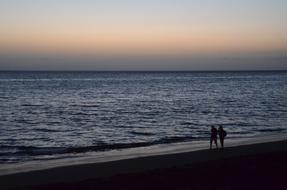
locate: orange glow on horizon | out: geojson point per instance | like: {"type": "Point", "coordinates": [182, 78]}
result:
{"type": "Point", "coordinates": [136, 40]}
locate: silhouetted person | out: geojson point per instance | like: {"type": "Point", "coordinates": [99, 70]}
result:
{"type": "Point", "coordinates": [222, 134]}
{"type": "Point", "coordinates": [213, 136]}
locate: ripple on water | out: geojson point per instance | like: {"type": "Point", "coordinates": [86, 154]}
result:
{"type": "Point", "coordinates": [58, 112]}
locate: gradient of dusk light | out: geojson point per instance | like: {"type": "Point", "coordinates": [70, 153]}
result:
{"type": "Point", "coordinates": [176, 29]}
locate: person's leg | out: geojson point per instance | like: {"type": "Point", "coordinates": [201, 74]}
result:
{"type": "Point", "coordinates": [221, 142]}
{"type": "Point", "coordinates": [215, 140]}
{"type": "Point", "coordinates": [210, 147]}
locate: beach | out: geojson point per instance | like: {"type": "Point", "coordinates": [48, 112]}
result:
{"type": "Point", "coordinates": [252, 166]}
{"type": "Point", "coordinates": [105, 95]}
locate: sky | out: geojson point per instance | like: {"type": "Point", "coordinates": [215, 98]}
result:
{"type": "Point", "coordinates": [143, 35]}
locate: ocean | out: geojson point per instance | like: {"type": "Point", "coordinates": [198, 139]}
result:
{"type": "Point", "coordinates": [44, 115]}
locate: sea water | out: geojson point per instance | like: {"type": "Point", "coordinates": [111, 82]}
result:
{"type": "Point", "coordinates": [45, 115]}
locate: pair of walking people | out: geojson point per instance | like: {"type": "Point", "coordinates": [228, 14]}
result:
{"type": "Point", "coordinates": [213, 138]}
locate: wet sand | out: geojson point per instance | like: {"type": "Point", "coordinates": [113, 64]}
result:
{"type": "Point", "coordinates": [256, 166]}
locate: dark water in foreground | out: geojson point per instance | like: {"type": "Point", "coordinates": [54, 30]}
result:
{"type": "Point", "coordinates": [47, 114]}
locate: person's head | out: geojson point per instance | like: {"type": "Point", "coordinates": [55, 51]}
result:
{"type": "Point", "coordinates": [220, 127]}
{"type": "Point", "coordinates": [212, 127]}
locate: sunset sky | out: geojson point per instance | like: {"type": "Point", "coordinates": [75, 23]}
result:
{"type": "Point", "coordinates": [143, 35]}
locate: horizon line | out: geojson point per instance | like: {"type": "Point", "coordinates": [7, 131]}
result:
{"type": "Point", "coordinates": [242, 70]}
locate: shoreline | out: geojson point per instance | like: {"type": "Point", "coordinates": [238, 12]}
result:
{"type": "Point", "coordinates": [129, 153]}
{"type": "Point", "coordinates": [77, 173]}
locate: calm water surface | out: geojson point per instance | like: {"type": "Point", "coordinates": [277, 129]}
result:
{"type": "Point", "coordinates": [47, 114]}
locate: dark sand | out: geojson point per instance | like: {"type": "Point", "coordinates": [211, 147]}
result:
{"type": "Point", "coordinates": [257, 166]}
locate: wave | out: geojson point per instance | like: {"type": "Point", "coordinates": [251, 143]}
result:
{"type": "Point", "coordinates": [40, 151]}
{"type": "Point", "coordinates": [29, 150]}
{"type": "Point", "coordinates": [271, 130]}
{"type": "Point", "coordinates": [84, 105]}
{"type": "Point", "coordinates": [32, 105]}
{"type": "Point", "coordinates": [46, 130]}
{"type": "Point", "coordinates": [4, 97]}
{"type": "Point", "coordinates": [26, 121]}
{"type": "Point", "coordinates": [141, 133]}
{"type": "Point", "coordinates": [173, 139]}
{"type": "Point", "coordinates": [189, 123]}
